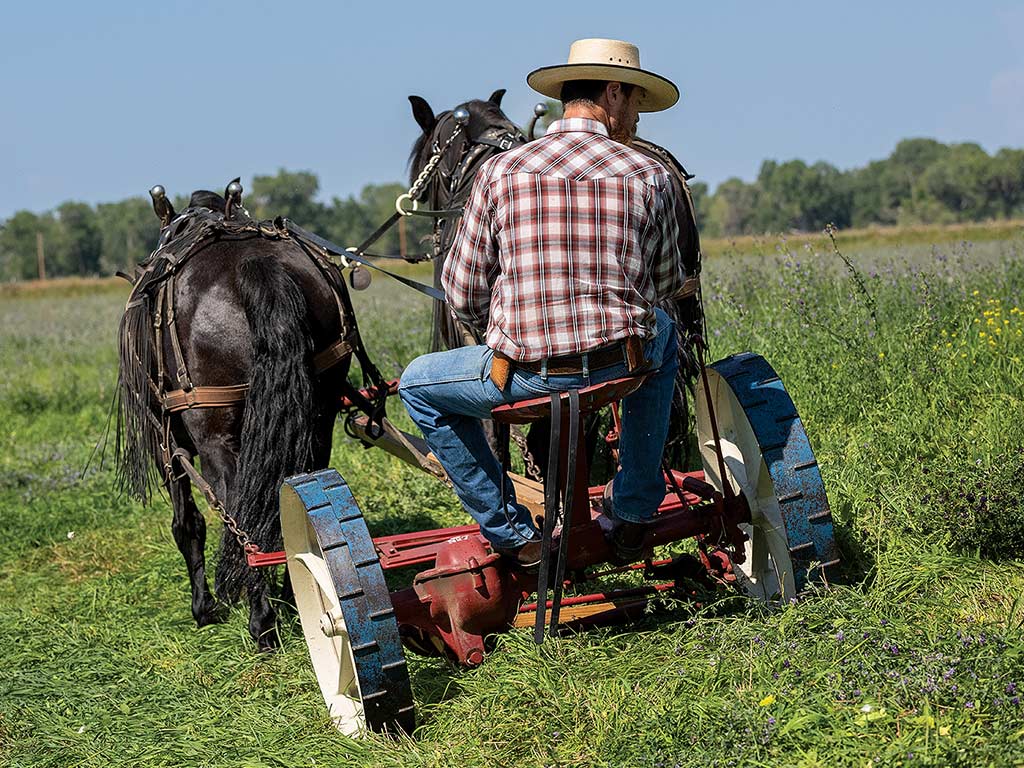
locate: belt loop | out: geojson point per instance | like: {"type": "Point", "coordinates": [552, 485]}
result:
{"type": "Point", "coordinates": [544, 369]}
{"type": "Point", "coordinates": [586, 365]}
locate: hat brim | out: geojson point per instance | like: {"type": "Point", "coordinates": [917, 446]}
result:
{"type": "Point", "coordinates": [661, 93]}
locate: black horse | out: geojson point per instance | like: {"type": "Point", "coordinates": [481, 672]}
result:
{"type": "Point", "coordinates": [225, 301]}
{"type": "Point", "coordinates": [449, 189]}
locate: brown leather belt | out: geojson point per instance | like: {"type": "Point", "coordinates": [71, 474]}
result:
{"type": "Point", "coordinates": [629, 351]}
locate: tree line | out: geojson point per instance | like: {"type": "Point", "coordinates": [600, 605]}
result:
{"type": "Point", "coordinates": [922, 182]}
{"type": "Point", "coordinates": [79, 239]}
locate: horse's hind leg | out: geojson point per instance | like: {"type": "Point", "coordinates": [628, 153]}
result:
{"type": "Point", "coordinates": [189, 529]}
{"type": "Point", "coordinates": [220, 462]}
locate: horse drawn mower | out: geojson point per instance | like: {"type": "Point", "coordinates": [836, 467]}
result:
{"type": "Point", "coordinates": [758, 511]}
{"type": "Point", "coordinates": [757, 508]}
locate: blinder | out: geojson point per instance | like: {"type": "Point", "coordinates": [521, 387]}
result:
{"type": "Point", "coordinates": [495, 137]}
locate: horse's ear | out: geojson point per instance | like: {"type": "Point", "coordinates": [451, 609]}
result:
{"type": "Point", "coordinates": [496, 97]}
{"type": "Point", "coordinates": [162, 205]}
{"type": "Point", "coordinates": [423, 113]}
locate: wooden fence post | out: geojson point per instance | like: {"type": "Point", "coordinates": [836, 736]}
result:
{"type": "Point", "coordinates": [40, 256]}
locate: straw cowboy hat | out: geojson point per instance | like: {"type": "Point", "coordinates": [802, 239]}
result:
{"type": "Point", "coordinates": [609, 60]}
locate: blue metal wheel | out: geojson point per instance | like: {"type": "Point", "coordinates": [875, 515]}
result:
{"type": "Point", "coordinates": [344, 606]}
{"type": "Point", "coordinates": [768, 458]}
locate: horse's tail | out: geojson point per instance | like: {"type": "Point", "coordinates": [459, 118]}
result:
{"type": "Point", "coordinates": [280, 411]}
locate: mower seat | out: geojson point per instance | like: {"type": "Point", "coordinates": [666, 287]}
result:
{"type": "Point", "coordinates": [592, 398]}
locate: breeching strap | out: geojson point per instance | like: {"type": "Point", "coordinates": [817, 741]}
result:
{"type": "Point", "coordinates": [219, 396]}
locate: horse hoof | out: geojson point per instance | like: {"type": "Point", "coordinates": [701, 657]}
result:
{"type": "Point", "coordinates": [216, 613]}
{"type": "Point", "coordinates": [268, 642]}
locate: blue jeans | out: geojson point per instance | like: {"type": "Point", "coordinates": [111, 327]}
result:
{"type": "Point", "coordinates": [447, 393]}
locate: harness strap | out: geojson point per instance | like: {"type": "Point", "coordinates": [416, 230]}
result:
{"type": "Point", "coordinates": [337, 250]}
{"type": "Point", "coordinates": [204, 397]}
{"type": "Point", "coordinates": [331, 356]}
{"type": "Point", "coordinates": [567, 502]}
{"type": "Point", "coordinates": [440, 213]}
{"type": "Point", "coordinates": [690, 287]}
{"type": "Point", "coordinates": [222, 396]}
{"type": "Point", "coordinates": [550, 513]}
{"type": "Point", "coordinates": [172, 329]}
{"type": "Point", "coordinates": [377, 233]}
{"type": "Point", "coordinates": [158, 334]}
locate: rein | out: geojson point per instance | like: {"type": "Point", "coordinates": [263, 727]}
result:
{"type": "Point", "coordinates": [407, 204]}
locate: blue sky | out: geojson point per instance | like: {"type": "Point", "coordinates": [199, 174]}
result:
{"type": "Point", "coordinates": [102, 100]}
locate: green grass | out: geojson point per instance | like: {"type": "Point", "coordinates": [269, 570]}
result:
{"type": "Point", "coordinates": [913, 658]}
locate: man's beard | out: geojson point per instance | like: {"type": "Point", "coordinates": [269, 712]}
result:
{"type": "Point", "coordinates": [620, 132]}
{"type": "Point", "coordinates": [622, 135]}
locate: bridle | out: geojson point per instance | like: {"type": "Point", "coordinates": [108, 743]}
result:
{"type": "Point", "coordinates": [495, 137]}
{"type": "Point", "coordinates": [435, 179]}
{"type": "Point", "coordinates": [445, 188]}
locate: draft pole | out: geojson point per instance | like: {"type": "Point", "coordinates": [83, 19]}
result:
{"type": "Point", "coordinates": [40, 256]}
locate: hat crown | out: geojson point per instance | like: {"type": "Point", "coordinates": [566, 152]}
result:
{"type": "Point", "coordinates": [597, 50]}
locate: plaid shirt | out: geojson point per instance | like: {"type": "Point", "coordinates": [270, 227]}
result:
{"type": "Point", "coordinates": [565, 245]}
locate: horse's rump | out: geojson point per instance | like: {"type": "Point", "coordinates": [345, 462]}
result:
{"type": "Point", "coordinates": [202, 252]}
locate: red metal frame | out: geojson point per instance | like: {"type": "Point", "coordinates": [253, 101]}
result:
{"type": "Point", "coordinates": [402, 550]}
{"type": "Point", "coordinates": [468, 592]}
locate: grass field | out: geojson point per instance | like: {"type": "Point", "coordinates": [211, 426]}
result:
{"type": "Point", "coordinates": [906, 361]}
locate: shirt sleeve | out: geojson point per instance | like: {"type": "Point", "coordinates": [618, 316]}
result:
{"type": "Point", "coordinates": [472, 264]}
{"type": "Point", "coordinates": [666, 259]}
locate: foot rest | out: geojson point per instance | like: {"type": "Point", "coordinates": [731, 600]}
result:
{"type": "Point", "coordinates": [592, 398]}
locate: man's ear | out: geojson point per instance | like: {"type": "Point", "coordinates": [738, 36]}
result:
{"type": "Point", "coordinates": [612, 92]}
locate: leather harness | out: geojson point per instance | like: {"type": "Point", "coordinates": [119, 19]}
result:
{"type": "Point", "coordinates": [213, 226]}
{"type": "Point", "coordinates": [153, 292]}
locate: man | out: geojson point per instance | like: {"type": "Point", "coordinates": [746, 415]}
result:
{"type": "Point", "coordinates": [565, 246]}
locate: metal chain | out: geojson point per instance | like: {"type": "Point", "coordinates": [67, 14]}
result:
{"type": "Point", "coordinates": [532, 470]}
{"type": "Point", "coordinates": [431, 166]}
{"type": "Point", "coordinates": [184, 461]}
{"type": "Point", "coordinates": [232, 525]}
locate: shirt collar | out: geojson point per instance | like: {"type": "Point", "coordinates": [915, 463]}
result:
{"type": "Point", "coordinates": [578, 124]}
